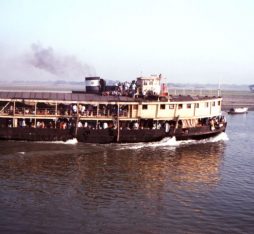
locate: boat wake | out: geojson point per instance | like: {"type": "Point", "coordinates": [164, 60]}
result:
{"type": "Point", "coordinates": [169, 142]}
{"type": "Point", "coordinates": [73, 141]}
{"type": "Point", "coordinates": [166, 142]}
{"type": "Point", "coordinates": [221, 137]}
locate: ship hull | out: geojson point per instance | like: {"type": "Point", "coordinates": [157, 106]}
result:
{"type": "Point", "coordinates": [106, 136]}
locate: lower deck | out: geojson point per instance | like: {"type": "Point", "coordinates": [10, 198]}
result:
{"type": "Point", "coordinates": [109, 135]}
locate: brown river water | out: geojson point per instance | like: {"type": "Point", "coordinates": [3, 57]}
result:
{"type": "Point", "coordinates": [164, 187]}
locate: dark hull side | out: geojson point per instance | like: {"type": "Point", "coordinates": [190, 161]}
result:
{"type": "Point", "coordinates": [104, 136]}
{"type": "Point", "coordinates": [237, 113]}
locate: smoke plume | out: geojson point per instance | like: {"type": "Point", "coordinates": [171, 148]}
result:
{"type": "Point", "coordinates": [63, 66]}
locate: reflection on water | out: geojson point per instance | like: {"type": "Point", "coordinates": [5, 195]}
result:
{"type": "Point", "coordinates": [112, 185]}
{"type": "Point", "coordinates": [98, 165]}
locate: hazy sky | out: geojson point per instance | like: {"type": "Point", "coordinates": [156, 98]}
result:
{"type": "Point", "coordinates": [201, 41]}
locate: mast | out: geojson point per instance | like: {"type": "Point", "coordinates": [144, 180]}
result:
{"type": "Point", "coordinates": [118, 124]}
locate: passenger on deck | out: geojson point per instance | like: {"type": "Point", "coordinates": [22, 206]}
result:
{"type": "Point", "coordinates": [11, 110]}
{"type": "Point", "coordinates": [42, 124]}
{"type": "Point", "coordinates": [51, 125]}
{"type": "Point", "coordinates": [90, 110]}
{"type": "Point", "coordinates": [63, 125]}
{"type": "Point", "coordinates": [158, 126]}
{"type": "Point", "coordinates": [167, 127]}
{"type": "Point", "coordinates": [80, 125]}
{"type": "Point", "coordinates": [154, 125]}
{"type": "Point", "coordinates": [82, 109]}
{"type": "Point", "coordinates": [74, 108]}
{"type": "Point", "coordinates": [212, 124]}
{"type": "Point", "coordinates": [136, 126]}
{"type": "Point", "coordinates": [38, 124]}
{"type": "Point", "coordinates": [105, 125]}
{"type": "Point", "coordinates": [9, 124]}
{"type": "Point", "coordinates": [23, 123]}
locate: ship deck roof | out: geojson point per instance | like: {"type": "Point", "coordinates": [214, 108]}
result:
{"type": "Point", "coordinates": [82, 97]}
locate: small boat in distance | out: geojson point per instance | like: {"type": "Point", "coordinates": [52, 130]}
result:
{"type": "Point", "coordinates": [238, 110]}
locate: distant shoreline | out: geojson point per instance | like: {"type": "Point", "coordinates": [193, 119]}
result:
{"type": "Point", "coordinates": [231, 98]}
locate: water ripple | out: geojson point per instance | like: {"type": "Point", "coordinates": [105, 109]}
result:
{"type": "Point", "coordinates": [167, 186]}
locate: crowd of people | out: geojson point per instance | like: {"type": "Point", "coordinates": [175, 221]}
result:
{"type": "Point", "coordinates": [122, 89]}
{"type": "Point", "coordinates": [69, 110]}
{"type": "Point", "coordinates": [71, 123]}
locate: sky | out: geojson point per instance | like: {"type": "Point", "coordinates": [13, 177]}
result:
{"type": "Point", "coordinates": [187, 41]}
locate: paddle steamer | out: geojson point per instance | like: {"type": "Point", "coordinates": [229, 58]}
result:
{"type": "Point", "coordinates": [140, 111]}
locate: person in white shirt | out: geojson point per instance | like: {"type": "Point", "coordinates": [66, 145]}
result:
{"type": "Point", "coordinates": [80, 125]}
{"type": "Point", "coordinates": [74, 108]}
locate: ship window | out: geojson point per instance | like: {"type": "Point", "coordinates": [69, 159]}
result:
{"type": "Point", "coordinates": [171, 106]}
{"type": "Point", "coordinates": [144, 107]}
{"type": "Point", "coordinates": [197, 105]}
{"type": "Point", "coordinates": [218, 103]}
{"type": "Point", "coordinates": [145, 83]}
{"type": "Point", "coordinates": [188, 105]}
{"type": "Point", "coordinates": [206, 104]}
{"type": "Point", "coordinates": [162, 106]}
{"type": "Point", "coordinates": [213, 103]}
{"type": "Point", "coordinates": [180, 106]}
{"type": "Point", "coordinates": [150, 83]}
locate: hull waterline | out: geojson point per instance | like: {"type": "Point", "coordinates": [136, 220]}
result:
{"type": "Point", "coordinates": [105, 136]}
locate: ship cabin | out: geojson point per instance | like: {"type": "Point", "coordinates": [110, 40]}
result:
{"type": "Point", "coordinates": [149, 85]}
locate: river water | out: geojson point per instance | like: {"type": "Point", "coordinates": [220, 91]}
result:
{"type": "Point", "coordinates": [163, 187]}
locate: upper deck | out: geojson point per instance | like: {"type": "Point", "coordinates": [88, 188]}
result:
{"type": "Point", "coordinates": [36, 104]}
{"type": "Point", "coordinates": [70, 97]}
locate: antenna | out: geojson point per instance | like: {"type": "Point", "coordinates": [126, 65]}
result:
{"type": "Point", "coordinates": [219, 90]}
